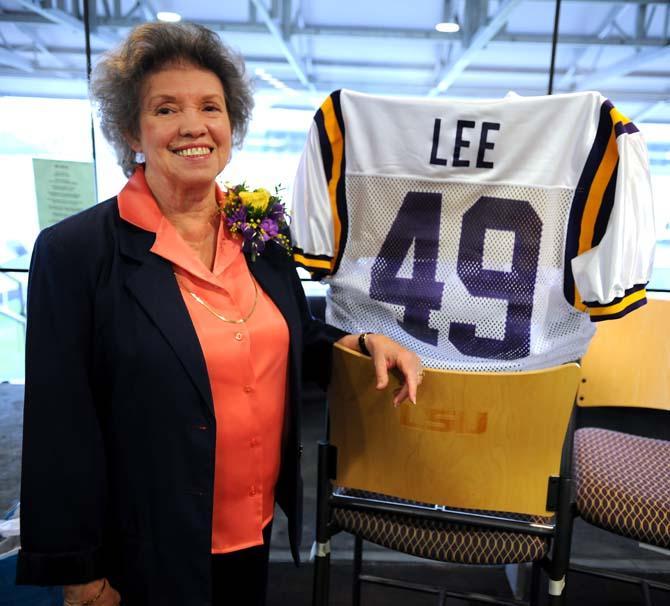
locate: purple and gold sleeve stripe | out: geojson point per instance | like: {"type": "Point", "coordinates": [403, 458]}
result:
{"type": "Point", "coordinates": [627, 128]}
{"type": "Point", "coordinates": [330, 127]}
{"type": "Point", "coordinates": [632, 299]}
{"type": "Point", "coordinates": [318, 266]}
{"type": "Point", "coordinates": [595, 194]}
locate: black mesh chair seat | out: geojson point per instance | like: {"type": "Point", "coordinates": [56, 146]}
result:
{"type": "Point", "coordinates": [623, 483]}
{"type": "Point", "coordinates": [442, 541]}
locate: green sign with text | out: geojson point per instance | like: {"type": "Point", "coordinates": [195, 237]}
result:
{"type": "Point", "coordinates": [62, 188]}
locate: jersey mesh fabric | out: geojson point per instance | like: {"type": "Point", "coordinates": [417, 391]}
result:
{"type": "Point", "coordinates": [473, 260]}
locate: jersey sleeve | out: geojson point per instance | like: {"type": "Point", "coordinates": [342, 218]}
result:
{"type": "Point", "coordinates": [318, 225]}
{"type": "Point", "coordinates": [616, 231]}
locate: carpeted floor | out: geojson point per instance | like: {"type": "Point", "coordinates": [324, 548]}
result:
{"type": "Point", "coordinates": [293, 587]}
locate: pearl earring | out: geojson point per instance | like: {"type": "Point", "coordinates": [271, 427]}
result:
{"type": "Point", "coordinates": [139, 157]}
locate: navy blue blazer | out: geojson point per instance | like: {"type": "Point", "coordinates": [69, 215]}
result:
{"type": "Point", "coordinates": [119, 427]}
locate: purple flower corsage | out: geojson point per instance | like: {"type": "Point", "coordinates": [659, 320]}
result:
{"type": "Point", "coordinates": [257, 216]}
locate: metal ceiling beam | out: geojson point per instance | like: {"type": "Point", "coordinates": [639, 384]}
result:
{"type": "Point", "coordinates": [62, 18]}
{"type": "Point", "coordinates": [428, 36]}
{"type": "Point", "coordinates": [148, 10]}
{"type": "Point", "coordinates": [576, 40]}
{"type": "Point", "coordinates": [490, 90]}
{"type": "Point", "coordinates": [284, 45]}
{"type": "Point", "coordinates": [48, 73]}
{"type": "Point", "coordinates": [602, 31]}
{"type": "Point", "coordinates": [41, 46]}
{"type": "Point", "coordinates": [108, 10]}
{"type": "Point", "coordinates": [640, 21]}
{"type": "Point", "coordinates": [474, 17]}
{"type": "Point", "coordinates": [286, 19]}
{"type": "Point", "coordinates": [650, 109]}
{"type": "Point", "coordinates": [16, 61]}
{"type": "Point", "coordinates": [433, 36]}
{"type": "Point", "coordinates": [623, 67]}
{"type": "Point", "coordinates": [45, 51]}
{"type": "Point", "coordinates": [650, 19]}
{"type": "Point", "coordinates": [395, 66]}
{"type": "Point", "coordinates": [377, 32]}
{"type": "Point", "coordinates": [483, 36]}
{"type": "Point", "coordinates": [52, 14]}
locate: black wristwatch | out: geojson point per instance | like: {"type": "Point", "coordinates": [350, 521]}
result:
{"type": "Point", "coordinates": [361, 343]}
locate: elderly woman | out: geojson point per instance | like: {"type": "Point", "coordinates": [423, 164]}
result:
{"type": "Point", "coordinates": [164, 358]}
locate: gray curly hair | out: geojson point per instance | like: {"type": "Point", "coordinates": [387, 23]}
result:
{"type": "Point", "coordinates": [116, 81]}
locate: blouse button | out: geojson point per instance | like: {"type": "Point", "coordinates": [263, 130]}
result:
{"type": "Point", "coordinates": [248, 389]}
{"type": "Point", "coordinates": [238, 336]}
{"type": "Point", "coordinates": [252, 491]}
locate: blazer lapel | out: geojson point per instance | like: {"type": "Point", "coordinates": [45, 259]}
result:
{"type": "Point", "coordinates": [151, 281]}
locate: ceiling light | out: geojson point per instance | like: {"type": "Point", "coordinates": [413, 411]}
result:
{"type": "Point", "coordinates": [168, 16]}
{"type": "Point", "coordinates": [448, 27]}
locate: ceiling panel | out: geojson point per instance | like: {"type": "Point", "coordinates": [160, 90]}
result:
{"type": "Point", "coordinates": [381, 47]}
{"type": "Point", "coordinates": [418, 13]}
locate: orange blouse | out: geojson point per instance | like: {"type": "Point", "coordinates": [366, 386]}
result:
{"type": "Point", "coordinates": [247, 365]}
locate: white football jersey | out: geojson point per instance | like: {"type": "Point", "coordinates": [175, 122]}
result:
{"type": "Point", "coordinates": [484, 235]}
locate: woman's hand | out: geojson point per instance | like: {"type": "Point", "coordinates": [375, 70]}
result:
{"type": "Point", "coordinates": [387, 354]}
{"type": "Point", "coordinates": [95, 593]}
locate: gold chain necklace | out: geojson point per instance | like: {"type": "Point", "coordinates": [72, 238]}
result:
{"type": "Point", "coordinates": [216, 313]}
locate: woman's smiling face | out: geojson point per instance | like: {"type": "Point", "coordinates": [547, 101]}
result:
{"type": "Point", "coordinates": [185, 132]}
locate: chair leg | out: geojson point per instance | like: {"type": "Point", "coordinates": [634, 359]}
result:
{"type": "Point", "coordinates": [321, 584]}
{"type": "Point", "coordinates": [358, 565]}
{"type": "Point", "coordinates": [535, 584]}
{"type": "Point", "coordinates": [560, 558]}
{"type": "Point", "coordinates": [321, 587]}
{"type": "Point", "coordinates": [646, 594]}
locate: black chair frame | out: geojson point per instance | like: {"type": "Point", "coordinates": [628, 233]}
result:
{"type": "Point", "coordinates": [560, 500]}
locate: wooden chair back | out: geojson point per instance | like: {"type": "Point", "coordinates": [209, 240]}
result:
{"type": "Point", "coordinates": [474, 440]}
{"type": "Point", "coordinates": [628, 360]}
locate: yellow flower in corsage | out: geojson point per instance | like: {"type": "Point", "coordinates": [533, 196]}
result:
{"type": "Point", "coordinates": [257, 199]}
{"type": "Point", "coordinates": [257, 216]}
